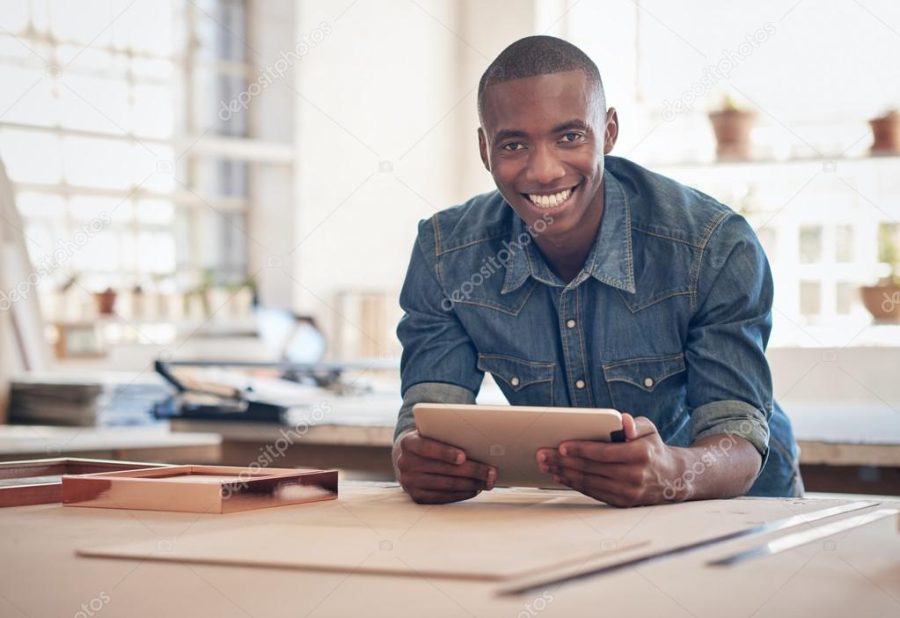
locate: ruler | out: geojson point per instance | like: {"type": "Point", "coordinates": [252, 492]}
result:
{"type": "Point", "coordinates": [803, 537]}
{"type": "Point", "coordinates": [568, 574]}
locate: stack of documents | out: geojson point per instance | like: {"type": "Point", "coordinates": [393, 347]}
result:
{"type": "Point", "coordinates": [97, 399]}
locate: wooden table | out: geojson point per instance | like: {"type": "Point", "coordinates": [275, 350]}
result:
{"type": "Point", "coordinates": [855, 573]}
{"type": "Point", "coordinates": [851, 448]}
{"type": "Point", "coordinates": [152, 443]}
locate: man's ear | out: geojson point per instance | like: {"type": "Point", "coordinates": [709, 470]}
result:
{"type": "Point", "coordinates": [482, 148]}
{"type": "Point", "coordinates": [611, 134]}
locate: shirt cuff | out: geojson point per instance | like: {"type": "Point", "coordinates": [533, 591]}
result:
{"type": "Point", "coordinates": [428, 392]}
{"type": "Point", "coordinates": [733, 418]}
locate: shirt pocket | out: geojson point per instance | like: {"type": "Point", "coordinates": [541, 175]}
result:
{"type": "Point", "coordinates": [522, 382]}
{"type": "Point", "coordinates": [649, 386]}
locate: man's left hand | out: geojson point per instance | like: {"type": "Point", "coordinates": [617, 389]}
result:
{"type": "Point", "coordinates": [642, 470]}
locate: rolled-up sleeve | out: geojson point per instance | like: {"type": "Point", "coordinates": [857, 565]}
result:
{"type": "Point", "coordinates": [438, 363]}
{"type": "Point", "coordinates": [729, 388]}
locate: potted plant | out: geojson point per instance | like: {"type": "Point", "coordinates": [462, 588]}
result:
{"type": "Point", "coordinates": [883, 299]}
{"type": "Point", "coordinates": [106, 301]}
{"type": "Point", "coordinates": [886, 133]}
{"type": "Point", "coordinates": [732, 126]}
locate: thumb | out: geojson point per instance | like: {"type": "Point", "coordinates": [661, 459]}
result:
{"type": "Point", "coordinates": [636, 428]}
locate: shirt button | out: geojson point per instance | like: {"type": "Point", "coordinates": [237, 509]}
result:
{"type": "Point", "coordinates": [579, 384]}
{"type": "Point", "coordinates": [648, 382]}
{"type": "Point", "coordinates": [570, 323]}
{"type": "Point", "coordinates": [514, 381]}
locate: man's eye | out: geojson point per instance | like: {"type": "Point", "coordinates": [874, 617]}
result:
{"type": "Point", "coordinates": [512, 146]}
{"type": "Point", "coordinates": [572, 137]}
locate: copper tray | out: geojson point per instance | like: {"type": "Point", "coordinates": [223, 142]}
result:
{"type": "Point", "coordinates": [200, 489]}
{"type": "Point", "coordinates": [39, 481]}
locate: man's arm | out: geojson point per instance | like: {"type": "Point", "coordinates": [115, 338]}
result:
{"type": "Point", "coordinates": [438, 365]}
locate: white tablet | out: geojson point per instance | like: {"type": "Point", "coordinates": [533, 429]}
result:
{"type": "Point", "coordinates": [507, 437]}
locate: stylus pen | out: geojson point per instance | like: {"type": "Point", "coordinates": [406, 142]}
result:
{"type": "Point", "coordinates": [569, 575]}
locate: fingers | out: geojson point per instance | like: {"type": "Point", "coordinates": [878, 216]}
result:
{"type": "Point", "coordinates": [610, 491]}
{"type": "Point", "coordinates": [432, 449]}
{"type": "Point", "coordinates": [424, 496]}
{"type": "Point", "coordinates": [432, 472]}
{"type": "Point", "coordinates": [629, 451]}
{"type": "Point", "coordinates": [440, 482]}
{"type": "Point", "coordinates": [410, 462]}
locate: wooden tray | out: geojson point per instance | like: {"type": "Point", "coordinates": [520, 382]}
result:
{"type": "Point", "coordinates": [200, 489]}
{"type": "Point", "coordinates": [39, 481]}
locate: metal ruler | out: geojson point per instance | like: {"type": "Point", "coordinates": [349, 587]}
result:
{"type": "Point", "coordinates": [803, 537]}
{"type": "Point", "coordinates": [569, 574]}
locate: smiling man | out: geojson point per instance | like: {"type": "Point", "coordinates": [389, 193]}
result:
{"type": "Point", "coordinates": [586, 280]}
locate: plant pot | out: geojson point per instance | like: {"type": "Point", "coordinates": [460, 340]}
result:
{"type": "Point", "coordinates": [886, 134]}
{"type": "Point", "coordinates": [882, 301]}
{"type": "Point", "coordinates": [106, 301]}
{"type": "Point", "coordinates": [732, 129]}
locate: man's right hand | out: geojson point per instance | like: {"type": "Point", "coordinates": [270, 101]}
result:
{"type": "Point", "coordinates": [432, 472]}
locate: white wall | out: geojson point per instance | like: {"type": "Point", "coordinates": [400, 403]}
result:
{"type": "Point", "coordinates": [386, 132]}
{"type": "Point", "coordinates": [385, 121]}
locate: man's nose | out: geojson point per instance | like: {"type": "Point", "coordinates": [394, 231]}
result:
{"type": "Point", "coordinates": [543, 167]}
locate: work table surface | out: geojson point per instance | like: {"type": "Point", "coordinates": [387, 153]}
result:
{"type": "Point", "coordinates": [853, 573]}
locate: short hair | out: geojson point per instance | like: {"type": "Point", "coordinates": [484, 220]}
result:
{"type": "Point", "coordinates": [538, 55]}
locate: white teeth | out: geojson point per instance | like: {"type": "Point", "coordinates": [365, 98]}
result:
{"type": "Point", "coordinates": [550, 201]}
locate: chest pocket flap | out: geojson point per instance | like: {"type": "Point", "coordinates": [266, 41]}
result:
{"type": "Point", "coordinates": [644, 373]}
{"type": "Point", "coordinates": [515, 372]}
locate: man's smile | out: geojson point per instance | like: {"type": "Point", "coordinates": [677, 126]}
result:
{"type": "Point", "coordinates": [555, 200]}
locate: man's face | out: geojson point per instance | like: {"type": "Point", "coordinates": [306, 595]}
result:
{"type": "Point", "coordinates": [543, 139]}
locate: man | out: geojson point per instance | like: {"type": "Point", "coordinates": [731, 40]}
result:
{"type": "Point", "coordinates": [586, 280]}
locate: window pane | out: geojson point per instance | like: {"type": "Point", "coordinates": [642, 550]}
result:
{"type": "Point", "coordinates": [156, 212]}
{"type": "Point", "coordinates": [97, 162]}
{"type": "Point", "coordinates": [156, 252]}
{"type": "Point", "coordinates": [14, 15]}
{"type": "Point", "coordinates": [810, 245]}
{"type": "Point", "coordinates": [94, 104]}
{"type": "Point", "coordinates": [101, 210]}
{"type": "Point", "coordinates": [810, 297]}
{"type": "Point", "coordinates": [41, 206]}
{"type": "Point", "coordinates": [847, 297]}
{"type": "Point", "coordinates": [844, 243]}
{"type": "Point", "coordinates": [27, 96]}
{"type": "Point", "coordinates": [31, 156]}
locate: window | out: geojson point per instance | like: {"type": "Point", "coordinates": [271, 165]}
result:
{"type": "Point", "coordinates": [111, 131]}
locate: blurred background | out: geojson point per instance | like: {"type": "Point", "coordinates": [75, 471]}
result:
{"type": "Point", "coordinates": [174, 164]}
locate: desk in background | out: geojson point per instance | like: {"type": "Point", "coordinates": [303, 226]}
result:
{"type": "Point", "coordinates": [155, 443]}
{"type": "Point", "coordinates": [845, 447]}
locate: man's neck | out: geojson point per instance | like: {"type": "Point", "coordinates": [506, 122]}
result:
{"type": "Point", "coordinates": [566, 255]}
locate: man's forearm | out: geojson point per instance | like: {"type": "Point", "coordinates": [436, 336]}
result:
{"type": "Point", "coordinates": [717, 466]}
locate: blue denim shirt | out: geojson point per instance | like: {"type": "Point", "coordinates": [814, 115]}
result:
{"type": "Point", "coordinates": [668, 319]}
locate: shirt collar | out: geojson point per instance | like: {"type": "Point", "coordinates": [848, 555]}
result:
{"type": "Point", "coordinates": [610, 261]}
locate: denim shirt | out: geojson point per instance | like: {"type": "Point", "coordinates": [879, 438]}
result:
{"type": "Point", "coordinates": [668, 318]}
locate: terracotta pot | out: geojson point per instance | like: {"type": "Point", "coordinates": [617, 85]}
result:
{"type": "Point", "coordinates": [882, 301]}
{"type": "Point", "coordinates": [886, 134]}
{"type": "Point", "coordinates": [732, 128]}
{"type": "Point", "coordinates": [106, 301]}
